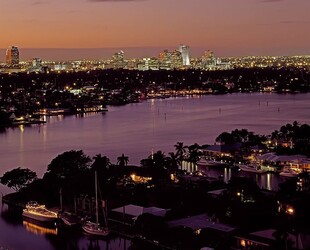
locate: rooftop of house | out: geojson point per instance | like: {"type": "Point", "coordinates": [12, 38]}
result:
{"type": "Point", "coordinates": [199, 222]}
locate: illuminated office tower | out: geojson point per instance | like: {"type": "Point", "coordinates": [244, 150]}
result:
{"type": "Point", "coordinates": [118, 60]}
{"type": "Point", "coordinates": [36, 63]}
{"type": "Point", "coordinates": [12, 55]}
{"type": "Point", "coordinates": [208, 59]}
{"type": "Point", "coordinates": [176, 59]}
{"type": "Point", "coordinates": [184, 49]}
{"type": "Point", "coordinates": [165, 59]}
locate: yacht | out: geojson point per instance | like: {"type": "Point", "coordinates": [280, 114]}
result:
{"type": "Point", "coordinates": [288, 172]}
{"type": "Point", "coordinates": [39, 212]}
{"type": "Point", "coordinates": [209, 163]}
{"type": "Point", "coordinates": [253, 168]}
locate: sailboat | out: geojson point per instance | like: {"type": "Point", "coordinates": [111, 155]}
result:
{"type": "Point", "coordinates": [94, 228]}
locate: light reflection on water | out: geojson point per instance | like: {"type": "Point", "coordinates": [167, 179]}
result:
{"type": "Point", "coordinates": [267, 181]}
{"type": "Point", "coordinates": [39, 229]}
{"type": "Point", "coordinates": [30, 235]}
{"type": "Point", "coordinates": [135, 130]}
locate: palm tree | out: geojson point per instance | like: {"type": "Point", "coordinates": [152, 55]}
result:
{"type": "Point", "coordinates": [194, 153]}
{"type": "Point", "coordinates": [159, 159]}
{"type": "Point", "coordinates": [122, 160]}
{"type": "Point", "coordinates": [101, 163]}
{"type": "Point", "coordinates": [173, 162]}
{"type": "Point", "coordinates": [180, 150]}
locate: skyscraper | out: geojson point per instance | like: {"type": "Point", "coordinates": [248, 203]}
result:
{"type": "Point", "coordinates": [184, 49]}
{"type": "Point", "coordinates": [12, 55]}
{"type": "Point", "coordinates": [118, 60]}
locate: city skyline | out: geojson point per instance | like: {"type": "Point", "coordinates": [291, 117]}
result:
{"type": "Point", "coordinates": [230, 28]}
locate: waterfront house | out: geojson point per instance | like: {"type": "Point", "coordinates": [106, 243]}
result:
{"type": "Point", "coordinates": [128, 214]}
{"type": "Point", "coordinates": [298, 162]}
{"type": "Point", "coordinates": [266, 240]}
{"type": "Point", "coordinates": [202, 229]}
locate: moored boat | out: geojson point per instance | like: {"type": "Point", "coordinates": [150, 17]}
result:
{"type": "Point", "coordinates": [209, 163]}
{"type": "Point", "coordinates": [251, 168]}
{"type": "Point", "coordinates": [69, 219]}
{"type": "Point", "coordinates": [95, 229]}
{"type": "Point", "coordinates": [288, 172]}
{"type": "Point", "coordinates": [39, 212]}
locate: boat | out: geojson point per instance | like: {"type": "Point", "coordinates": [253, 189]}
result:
{"type": "Point", "coordinates": [209, 163]}
{"type": "Point", "coordinates": [253, 168]}
{"type": "Point", "coordinates": [39, 212]}
{"type": "Point", "coordinates": [94, 228]}
{"type": "Point", "coordinates": [288, 172]}
{"type": "Point", "coordinates": [69, 219]}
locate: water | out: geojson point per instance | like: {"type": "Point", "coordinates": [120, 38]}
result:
{"type": "Point", "coordinates": [136, 130]}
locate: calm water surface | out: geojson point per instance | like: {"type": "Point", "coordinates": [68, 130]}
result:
{"type": "Point", "coordinates": [136, 130]}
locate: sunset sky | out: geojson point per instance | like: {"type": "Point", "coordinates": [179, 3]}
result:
{"type": "Point", "coordinates": [228, 27]}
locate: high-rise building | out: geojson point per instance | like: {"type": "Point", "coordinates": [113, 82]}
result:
{"type": "Point", "coordinates": [208, 59]}
{"type": "Point", "coordinates": [170, 59]}
{"type": "Point", "coordinates": [184, 49]}
{"type": "Point", "coordinates": [176, 59]}
{"type": "Point", "coordinates": [118, 60]}
{"type": "Point", "coordinates": [165, 59]}
{"type": "Point", "coordinates": [36, 63]}
{"type": "Point", "coordinates": [12, 55]}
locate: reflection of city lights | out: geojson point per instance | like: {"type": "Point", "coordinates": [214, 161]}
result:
{"type": "Point", "coordinates": [21, 128]}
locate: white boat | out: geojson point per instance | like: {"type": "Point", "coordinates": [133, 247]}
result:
{"type": "Point", "coordinates": [39, 212]}
{"type": "Point", "coordinates": [94, 228]}
{"type": "Point", "coordinates": [251, 168]}
{"type": "Point", "coordinates": [288, 172]}
{"type": "Point", "coordinates": [209, 163]}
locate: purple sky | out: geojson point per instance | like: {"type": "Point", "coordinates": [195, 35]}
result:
{"type": "Point", "coordinates": [228, 27]}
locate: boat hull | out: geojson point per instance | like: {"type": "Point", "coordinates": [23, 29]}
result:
{"type": "Point", "coordinates": [69, 220]}
{"type": "Point", "coordinates": [204, 163]}
{"type": "Point", "coordinates": [92, 229]}
{"type": "Point", "coordinates": [251, 169]}
{"type": "Point", "coordinates": [291, 175]}
{"type": "Point", "coordinates": [37, 212]}
{"type": "Point", "coordinates": [40, 218]}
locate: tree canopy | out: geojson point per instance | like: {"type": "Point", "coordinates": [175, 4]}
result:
{"type": "Point", "coordinates": [68, 164]}
{"type": "Point", "coordinates": [18, 178]}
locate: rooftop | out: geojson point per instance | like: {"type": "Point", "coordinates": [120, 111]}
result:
{"type": "Point", "coordinates": [199, 222]}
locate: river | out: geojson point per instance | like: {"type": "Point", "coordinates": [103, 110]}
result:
{"type": "Point", "coordinates": [136, 130]}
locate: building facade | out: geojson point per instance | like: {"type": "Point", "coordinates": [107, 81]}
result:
{"type": "Point", "coordinates": [184, 49]}
{"type": "Point", "coordinates": [12, 55]}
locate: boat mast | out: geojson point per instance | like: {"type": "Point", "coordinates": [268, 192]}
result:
{"type": "Point", "coordinates": [97, 220]}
